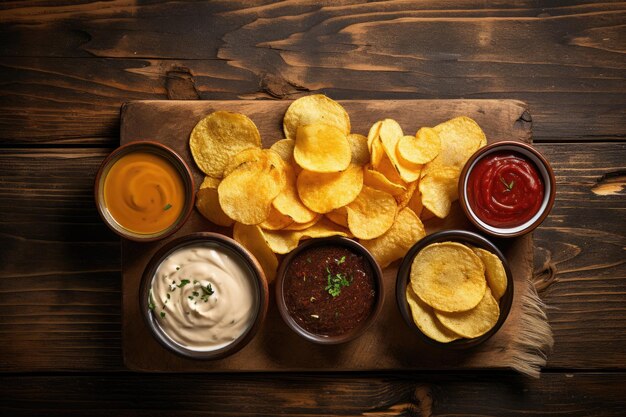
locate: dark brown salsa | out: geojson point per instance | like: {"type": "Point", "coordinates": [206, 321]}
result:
{"type": "Point", "coordinates": [329, 290]}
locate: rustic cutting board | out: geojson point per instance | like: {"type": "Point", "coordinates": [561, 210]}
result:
{"type": "Point", "coordinates": [388, 344]}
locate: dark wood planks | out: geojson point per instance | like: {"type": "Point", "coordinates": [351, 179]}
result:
{"type": "Point", "coordinates": [566, 60]}
{"type": "Point", "coordinates": [417, 395]}
{"type": "Point", "coordinates": [60, 282]}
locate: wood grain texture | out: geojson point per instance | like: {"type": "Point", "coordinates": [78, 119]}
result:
{"type": "Point", "coordinates": [566, 59]}
{"type": "Point", "coordinates": [371, 395]}
{"type": "Point", "coordinates": [60, 283]}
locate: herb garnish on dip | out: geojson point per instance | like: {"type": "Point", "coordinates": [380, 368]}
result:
{"type": "Point", "coordinates": [505, 189]}
{"type": "Point", "coordinates": [203, 297]}
{"type": "Point", "coordinates": [329, 290]}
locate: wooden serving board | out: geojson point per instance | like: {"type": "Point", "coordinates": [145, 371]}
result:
{"type": "Point", "coordinates": [389, 344]}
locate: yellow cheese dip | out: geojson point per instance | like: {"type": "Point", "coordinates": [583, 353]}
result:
{"type": "Point", "coordinates": [144, 192]}
{"type": "Point", "coordinates": [203, 297]}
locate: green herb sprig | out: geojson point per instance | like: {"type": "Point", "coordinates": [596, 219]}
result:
{"type": "Point", "coordinates": [336, 282]}
{"type": "Point", "coordinates": [508, 186]}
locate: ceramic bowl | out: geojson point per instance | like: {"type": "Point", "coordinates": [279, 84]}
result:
{"type": "Point", "coordinates": [162, 151]}
{"type": "Point", "coordinates": [404, 273]}
{"type": "Point", "coordinates": [544, 170]}
{"type": "Point", "coordinates": [282, 277]}
{"type": "Point", "coordinates": [248, 263]}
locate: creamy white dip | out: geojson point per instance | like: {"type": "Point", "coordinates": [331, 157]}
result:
{"type": "Point", "coordinates": [203, 297]}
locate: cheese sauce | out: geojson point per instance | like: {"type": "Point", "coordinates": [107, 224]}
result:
{"type": "Point", "coordinates": [144, 192]}
{"type": "Point", "coordinates": [203, 297]}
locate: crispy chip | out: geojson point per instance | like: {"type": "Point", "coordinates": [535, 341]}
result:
{"type": "Point", "coordinates": [218, 137]}
{"type": "Point", "coordinates": [415, 202]}
{"type": "Point", "coordinates": [421, 148]}
{"type": "Point", "coordinates": [283, 241]}
{"type": "Point", "coordinates": [244, 157]}
{"type": "Point", "coordinates": [322, 148]}
{"type": "Point", "coordinates": [494, 272]}
{"type": "Point", "coordinates": [460, 138]}
{"type": "Point", "coordinates": [208, 204]}
{"type": "Point", "coordinates": [448, 276]}
{"type": "Point", "coordinates": [284, 148]}
{"type": "Point", "coordinates": [403, 198]}
{"type": "Point", "coordinates": [288, 202]}
{"type": "Point", "coordinates": [210, 182]}
{"type": "Point", "coordinates": [303, 226]}
{"type": "Point", "coordinates": [371, 214]}
{"type": "Point", "coordinates": [246, 194]}
{"type": "Point", "coordinates": [252, 239]}
{"type": "Point", "coordinates": [386, 168]}
{"type": "Point", "coordinates": [276, 220]}
{"type": "Point", "coordinates": [378, 152]}
{"type": "Point", "coordinates": [378, 180]}
{"type": "Point", "coordinates": [395, 243]}
{"type": "Point", "coordinates": [425, 319]}
{"type": "Point", "coordinates": [439, 190]}
{"type": "Point", "coordinates": [390, 135]}
{"type": "Point", "coordinates": [475, 322]}
{"type": "Point", "coordinates": [373, 134]}
{"type": "Point", "coordinates": [359, 149]}
{"type": "Point", "coordinates": [339, 216]}
{"type": "Point", "coordinates": [312, 109]}
{"type": "Point", "coordinates": [325, 192]}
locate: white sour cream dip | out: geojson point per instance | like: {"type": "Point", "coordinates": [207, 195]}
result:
{"type": "Point", "coordinates": [203, 297]}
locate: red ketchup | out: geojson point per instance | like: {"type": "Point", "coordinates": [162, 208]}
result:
{"type": "Point", "coordinates": [504, 189]}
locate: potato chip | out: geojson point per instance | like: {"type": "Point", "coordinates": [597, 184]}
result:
{"type": "Point", "coordinates": [475, 322]}
{"type": "Point", "coordinates": [339, 216]}
{"type": "Point", "coordinates": [276, 220]}
{"type": "Point", "coordinates": [387, 169]}
{"type": "Point", "coordinates": [313, 109]}
{"type": "Point", "coordinates": [288, 202]}
{"type": "Point", "coordinates": [425, 319]}
{"type": "Point", "coordinates": [302, 226]}
{"type": "Point", "coordinates": [421, 148]}
{"type": "Point", "coordinates": [283, 241]}
{"type": "Point", "coordinates": [403, 198]}
{"type": "Point", "coordinates": [406, 230]}
{"type": "Point", "coordinates": [218, 137]}
{"type": "Point", "coordinates": [373, 134]}
{"type": "Point", "coordinates": [245, 156]}
{"type": "Point", "coordinates": [324, 192]}
{"type": "Point", "coordinates": [371, 214]}
{"type": "Point", "coordinates": [246, 194]}
{"type": "Point", "coordinates": [439, 190]}
{"type": "Point", "coordinates": [378, 180]}
{"type": "Point", "coordinates": [494, 272]}
{"type": "Point", "coordinates": [377, 153]}
{"type": "Point", "coordinates": [208, 204]}
{"type": "Point", "coordinates": [322, 148]}
{"type": "Point", "coordinates": [210, 182]}
{"type": "Point", "coordinates": [448, 276]}
{"type": "Point", "coordinates": [359, 149]}
{"type": "Point", "coordinates": [415, 202]}
{"type": "Point", "coordinates": [390, 135]}
{"type": "Point", "coordinates": [460, 138]}
{"type": "Point", "coordinates": [284, 148]}
{"type": "Point", "coordinates": [252, 239]}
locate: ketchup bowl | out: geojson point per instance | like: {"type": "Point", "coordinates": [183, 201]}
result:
{"type": "Point", "coordinates": [507, 189]}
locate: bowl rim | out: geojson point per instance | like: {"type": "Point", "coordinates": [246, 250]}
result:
{"type": "Point", "coordinates": [545, 170]}
{"type": "Point", "coordinates": [179, 164]}
{"type": "Point", "coordinates": [257, 277]}
{"type": "Point", "coordinates": [403, 277]}
{"type": "Point", "coordinates": [357, 331]}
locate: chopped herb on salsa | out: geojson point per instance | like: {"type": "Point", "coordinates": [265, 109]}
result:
{"type": "Point", "coordinates": [509, 187]}
{"type": "Point", "coordinates": [336, 282]}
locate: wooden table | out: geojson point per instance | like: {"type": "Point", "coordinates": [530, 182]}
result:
{"type": "Point", "coordinates": [65, 69]}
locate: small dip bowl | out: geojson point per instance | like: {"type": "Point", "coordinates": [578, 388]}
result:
{"type": "Point", "coordinates": [519, 222]}
{"type": "Point", "coordinates": [193, 295]}
{"type": "Point", "coordinates": [173, 163]}
{"type": "Point", "coordinates": [328, 262]}
{"type": "Point", "coordinates": [404, 277]}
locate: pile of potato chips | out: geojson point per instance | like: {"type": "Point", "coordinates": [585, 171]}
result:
{"type": "Point", "coordinates": [323, 180]}
{"type": "Point", "coordinates": [454, 291]}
